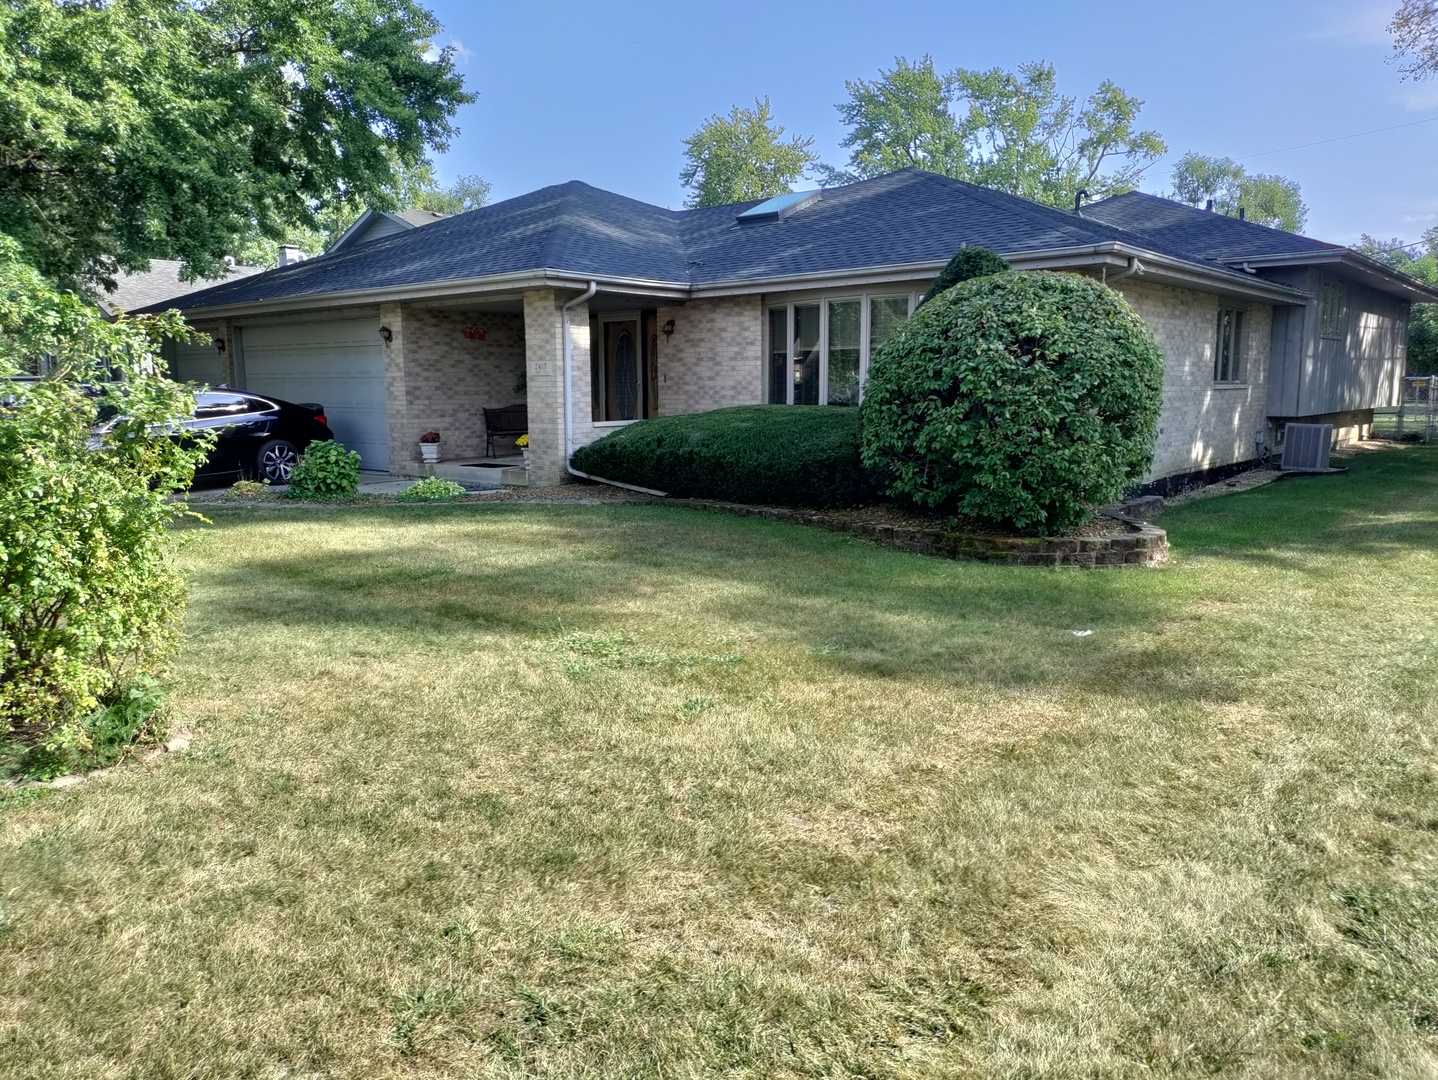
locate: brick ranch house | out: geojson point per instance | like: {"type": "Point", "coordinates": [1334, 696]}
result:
{"type": "Point", "coordinates": [597, 310]}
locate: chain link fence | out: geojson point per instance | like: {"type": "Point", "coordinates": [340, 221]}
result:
{"type": "Point", "coordinates": [1415, 419]}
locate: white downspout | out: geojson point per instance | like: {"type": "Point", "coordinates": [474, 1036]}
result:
{"type": "Point", "coordinates": [568, 410]}
{"type": "Point", "coordinates": [1134, 267]}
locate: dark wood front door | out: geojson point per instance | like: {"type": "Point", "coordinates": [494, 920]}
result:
{"type": "Point", "coordinates": [622, 371]}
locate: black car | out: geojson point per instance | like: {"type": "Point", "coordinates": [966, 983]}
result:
{"type": "Point", "coordinates": [260, 437]}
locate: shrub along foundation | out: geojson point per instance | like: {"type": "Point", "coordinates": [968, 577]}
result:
{"type": "Point", "coordinates": [1132, 543]}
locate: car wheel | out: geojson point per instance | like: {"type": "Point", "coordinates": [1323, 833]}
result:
{"type": "Point", "coordinates": [276, 461]}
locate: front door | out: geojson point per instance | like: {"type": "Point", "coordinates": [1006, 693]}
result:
{"type": "Point", "coordinates": [622, 372]}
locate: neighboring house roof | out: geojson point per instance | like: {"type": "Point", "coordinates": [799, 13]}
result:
{"type": "Point", "coordinates": [377, 224]}
{"type": "Point", "coordinates": [904, 220]}
{"type": "Point", "coordinates": [152, 287]}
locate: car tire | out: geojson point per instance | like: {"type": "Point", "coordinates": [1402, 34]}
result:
{"type": "Point", "coordinates": [276, 461]}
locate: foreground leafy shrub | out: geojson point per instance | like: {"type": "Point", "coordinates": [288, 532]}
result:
{"type": "Point", "coordinates": [788, 455]}
{"type": "Point", "coordinates": [431, 489]}
{"type": "Point", "coordinates": [90, 598]}
{"type": "Point", "coordinates": [967, 264]}
{"type": "Point", "coordinates": [326, 470]}
{"type": "Point", "coordinates": [1021, 399]}
{"type": "Point", "coordinates": [128, 714]}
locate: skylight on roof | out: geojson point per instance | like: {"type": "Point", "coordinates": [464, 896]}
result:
{"type": "Point", "coordinates": [780, 206]}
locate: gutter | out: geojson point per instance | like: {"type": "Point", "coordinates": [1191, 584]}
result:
{"type": "Point", "coordinates": [568, 405]}
{"type": "Point", "coordinates": [515, 282]}
{"type": "Point", "coordinates": [1057, 258]}
{"type": "Point", "coordinates": [1354, 260]}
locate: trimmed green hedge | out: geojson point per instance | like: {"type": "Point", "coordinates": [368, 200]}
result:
{"type": "Point", "coordinates": [787, 455]}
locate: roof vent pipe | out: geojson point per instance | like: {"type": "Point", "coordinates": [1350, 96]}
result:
{"type": "Point", "coordinates": [1242, 214]}
{"type": "Point", "coordinates": [1079, 196]}
{"type": "Point", "coordinates": [1209, 207]}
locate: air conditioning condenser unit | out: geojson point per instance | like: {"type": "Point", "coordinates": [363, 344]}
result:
{"type": "Point", "coordinates": [1306, 447]}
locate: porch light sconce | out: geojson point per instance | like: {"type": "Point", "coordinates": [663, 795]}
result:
{"type": "Point", "coordinates": [668, 328]}
{"type": "Point", "coordinates": [386, 333]}
{"type": "Point", "coordinates": [220, 344]}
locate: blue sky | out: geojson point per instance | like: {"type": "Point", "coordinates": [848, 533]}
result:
{"type": "Point", "coordinates": [607, 92]}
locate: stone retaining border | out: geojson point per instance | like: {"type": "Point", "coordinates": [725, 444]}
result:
{"type": "Point", "coordinates": [1141, 545]}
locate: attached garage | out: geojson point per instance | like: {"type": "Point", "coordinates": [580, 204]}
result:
{"type": "Point", "coordinates": [195, 361]}
{"type": "Point", "coordinates": [338, 363]}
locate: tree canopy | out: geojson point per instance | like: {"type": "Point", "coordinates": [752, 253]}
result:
{"type": "Point", "coordinates": [1266, 198]}
{"type": "Point", "coordinates": [141, 129]}
{"type": "Point", "coordinates": [1010, 130]}
{"type": "Point", "coordinates": [1415, 37]}
{"type": "Point", "coordinates": [743, 156]}
{"type": "Point", "coordinates": [414, 188]}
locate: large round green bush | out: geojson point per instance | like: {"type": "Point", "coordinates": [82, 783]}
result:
{"type": "Point", "coordinates": [787, 455]}
{"type": "Point", "coordinates": [1021, 399]}
{"type": "Point", "coordinates": [968, 263]}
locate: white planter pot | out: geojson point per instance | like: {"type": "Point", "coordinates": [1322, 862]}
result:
{"type": "Point", "coordinates": [429, 452]}
{"type": "Point", "coordinates": [525, 451]}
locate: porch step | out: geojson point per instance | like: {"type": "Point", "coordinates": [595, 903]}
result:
{"type": "Point", "coordinates": [490, 474]}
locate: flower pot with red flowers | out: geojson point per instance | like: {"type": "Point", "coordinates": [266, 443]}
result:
{"type": "Point", "coordinates": [429, 447]}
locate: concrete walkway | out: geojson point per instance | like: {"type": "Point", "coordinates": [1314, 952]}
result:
{"type": "Point", "coordinates": [382, 483]}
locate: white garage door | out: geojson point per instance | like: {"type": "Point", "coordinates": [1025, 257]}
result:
{"type": "Point", "coordinates": [197, 362]}
{"type": "Point", "coordinates": [338, 363]}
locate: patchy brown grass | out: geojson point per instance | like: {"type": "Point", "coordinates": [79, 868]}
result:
{"type": "Point", "coordinates": [627, 791]}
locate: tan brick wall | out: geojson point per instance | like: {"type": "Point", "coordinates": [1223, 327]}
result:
{"type": "Point", "coordinates": [401, 450]}
{"type": "Point", "coordinates": [1203, 425]}
{"type": "Point", "coordinates": [439, 380]}
{"type": "Point", "coordinates": [544, 356]}
{"type": "Point", "coordinates": [715, 356]}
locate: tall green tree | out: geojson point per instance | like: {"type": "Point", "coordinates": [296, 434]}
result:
{"type": "Point", "coordinates": [138, 129]}
{"type": "Point", "coordinates": [1418, 260]}
{"type": "Point", "coordinates": [1415, 37]}
{"type": "Point", "coordinates": [743, 156]}
{"type": "Point", "coordinates": [414, 188]}
{"type": "Point", "coordinates": [1010, 130]}
{"type": "Point", "coordinates": [902, 119]}
{"type": "Point", "coordinates": [1266, 198]}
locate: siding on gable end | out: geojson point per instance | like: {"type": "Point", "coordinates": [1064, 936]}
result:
{"type": "Point", "coordinates": [1202, 425]}
{"type": "Point", "coordinates": [1314, 376]}
{"type": "Point", "coordinates": [378, 228]}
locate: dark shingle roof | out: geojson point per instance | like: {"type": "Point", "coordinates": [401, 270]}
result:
{"type": "Point", "coordinates": [904, 217]}
{"type": "Point", "coordinates": [420, 217]}
{"type": "Point", "coordinates": [1201, 233]}
{"type": "Point", "coordinates": [161, 282]}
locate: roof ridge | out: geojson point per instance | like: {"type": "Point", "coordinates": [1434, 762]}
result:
{"type": "Point", "coordinates": [555, 244]}
{"type": "Point", "coordinates": [1217, 216]}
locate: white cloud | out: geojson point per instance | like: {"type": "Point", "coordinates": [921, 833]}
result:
{"type": "Point", "coordinates": [461, 51]}
{"type": "Point", "coordinates": [1419, 97]}
{"type": "Point", "coordinates": [1358, 22]}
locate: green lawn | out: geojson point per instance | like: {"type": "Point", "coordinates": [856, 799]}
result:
{"type": "Point", "coordinates": [630, 791]}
